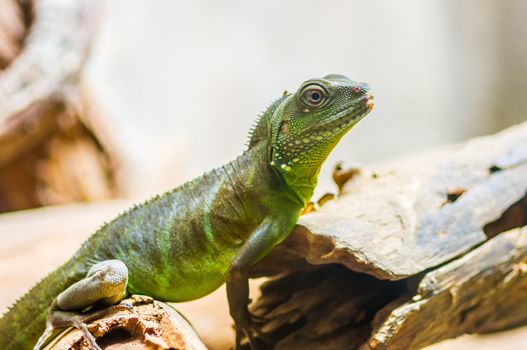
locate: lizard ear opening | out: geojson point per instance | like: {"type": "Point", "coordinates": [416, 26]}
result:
{"type": "Point", "coordinates": [284, 126]}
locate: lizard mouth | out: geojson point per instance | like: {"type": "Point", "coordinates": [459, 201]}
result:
{"type": "Point", "coordinates": [350, 115]}
{"type": "Point", "coordinates": [369, 102]}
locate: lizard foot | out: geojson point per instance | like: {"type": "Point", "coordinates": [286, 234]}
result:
{"type": "Point", "coordinates": [246, 329]}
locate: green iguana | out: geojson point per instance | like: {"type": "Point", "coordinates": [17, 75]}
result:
{"type": "Point", "coordinates": [186, 243]}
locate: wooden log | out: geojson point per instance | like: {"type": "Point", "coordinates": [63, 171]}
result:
{"type": "Point", "coordinates": [149, 325]}
{"type": "Point", "coordinates": [53, 148]}
{"type": "Point", "coordinates": [433, 247]}
{"type": "Point", "coordinates": [483, 291]}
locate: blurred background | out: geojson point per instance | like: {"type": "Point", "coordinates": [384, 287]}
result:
{"type": "Point", "coordinates": [177, 85]}
{"type": "Point", "coordinates": [181, 82]}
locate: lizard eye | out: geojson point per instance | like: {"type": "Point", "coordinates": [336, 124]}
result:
{"type": "Point", "coordinates": [313, 96]}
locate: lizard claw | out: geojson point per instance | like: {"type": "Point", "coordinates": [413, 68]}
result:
{"type": "Point", "coordinates": [245, 330]}
{"type": "Point", "coordinates": [257, 318]}
{"type": "Point", "coordinates": [58, 320]}
{"type": "Point", "coordinates": [138, 299]}
{"type": "Point", "coordinates": [124, 305]}
{"type": "Point", "coordinates": [81, 326]}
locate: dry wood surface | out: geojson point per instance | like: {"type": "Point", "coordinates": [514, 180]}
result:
{"type": "Point", "coordinates": [415, 250]}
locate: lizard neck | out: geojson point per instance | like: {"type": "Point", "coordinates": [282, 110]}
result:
{"type": "Point", "coordinates": [302, 185]}
{"type": "Point", "coordinates": [298, 187]}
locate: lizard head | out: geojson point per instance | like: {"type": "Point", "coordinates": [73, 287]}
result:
{"type": "Point", "coordinates": [307, 125]}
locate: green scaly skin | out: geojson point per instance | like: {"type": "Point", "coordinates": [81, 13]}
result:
{"type": "Point", "coordinates": [186, 243]}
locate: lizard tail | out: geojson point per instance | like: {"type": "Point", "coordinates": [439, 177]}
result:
{"type": "Point", "coordinates": [24, 322]}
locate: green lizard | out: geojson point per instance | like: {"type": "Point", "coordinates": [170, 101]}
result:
{"type": "Point", "coordinates": [186, 243]}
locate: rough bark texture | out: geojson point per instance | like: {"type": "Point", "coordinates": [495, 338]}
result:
{"type": "Point", "coordinates": [150, 325]}
{"type": "Point", "coordinates": [425, 249]}
{"type": "Point", "coordinates": [52, 149]}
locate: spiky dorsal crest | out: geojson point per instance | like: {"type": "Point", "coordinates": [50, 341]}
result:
{"type": "Point", "coordinates": [262, 128]}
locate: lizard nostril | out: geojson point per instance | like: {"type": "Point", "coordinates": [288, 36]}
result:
{"type": "Point", "coordinates": [356, 90]}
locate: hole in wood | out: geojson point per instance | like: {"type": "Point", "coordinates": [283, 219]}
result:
{"type": "Point", "coordinates": [327, 302]}
{"type": "Point", "coordinates": [515, 216]}
{"type": "Point", "coordinates": [115, 336]}
{"type": "Point", "coordinates": [452, 194]}
{"type": "Point", "coordinates": [494, 169]}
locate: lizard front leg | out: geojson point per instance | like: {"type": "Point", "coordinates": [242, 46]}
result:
{"type": "Point", "coordinates": [261, 241]}
{"type": "Point", "coordinates": [105, 283]}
